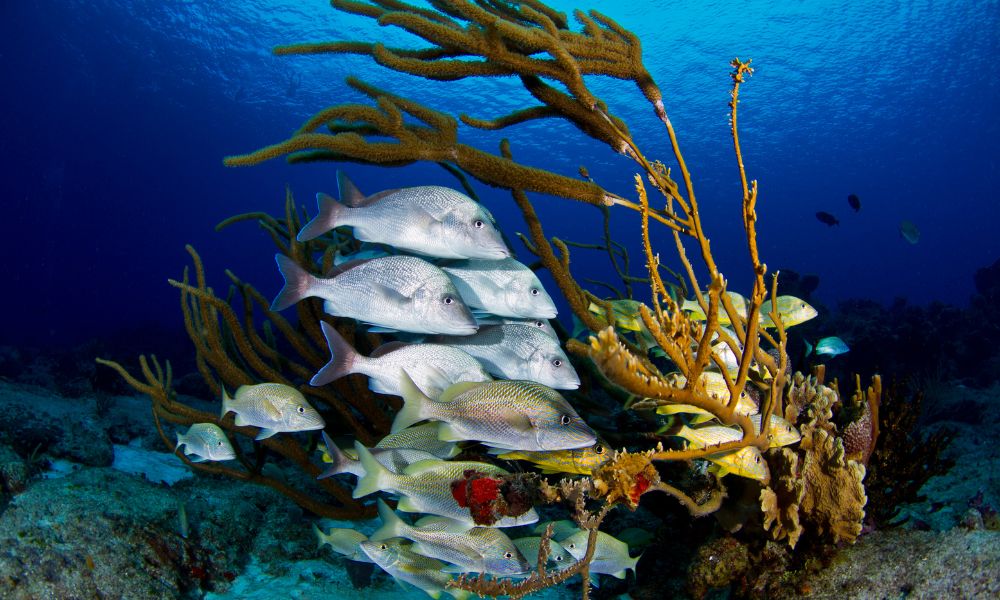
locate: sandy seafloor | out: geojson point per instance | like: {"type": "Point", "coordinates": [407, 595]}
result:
{"type": "Point", "coordinates": [89, 524]}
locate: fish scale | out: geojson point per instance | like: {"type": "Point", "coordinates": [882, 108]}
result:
{"type": "Point", "coordinates": [501, 287]}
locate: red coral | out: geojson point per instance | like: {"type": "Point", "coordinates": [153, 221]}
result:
{"type": "Point", "coordinates": [642, 484]}
{"type": "Point", "coordinates": [490, 498]}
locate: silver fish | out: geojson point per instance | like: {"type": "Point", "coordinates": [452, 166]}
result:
{"type": "Point", "coordinates": [518, 352]}
{"type": "Point", "coordinates": [433, 367]}
{"type": "Point", "coordinates": [420, 437]}
{"type": "Point", "coordinates": [394, 459]}
{"type": "Point", "coordinates": [516, 415]}
{"type": "Point", "coordinates": [475, 550]}
{"type": "Point", "coordinates": [426, 487]}
{"type": "Point", "coordinates": [405, 293]}
{"type": "Point", "coordinates": [417, 570]}
{"type": "Point", "coordinates": [429, 220]}
{"type": "Point", "coordinates": [205, 441]}
{"type": "Point", "coordinates": [273, 407]}
{"type": "Point", "coordinates": [611, 556]}
{"type": "Point", "coordinates": [346, 542]}
{"type": "Point", "coordinates": [559, 559]}
{"type": "Point", "coordinates": [505, 288]}
{"type": "Point", "coordinates": [828, 346]}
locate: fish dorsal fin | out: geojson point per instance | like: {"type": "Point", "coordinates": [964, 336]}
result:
{"type": "Point", "coordinates": [457, 389]}
{"type": "Point", "coordinates": [344, 267]}
{"type": "Point", "coordinates": [350, 195]}
{"type": "Point", "coordinates": [422, 466]}
{"type": "Point", "coordinates": [386, 348]}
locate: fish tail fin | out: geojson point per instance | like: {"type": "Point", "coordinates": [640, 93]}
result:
{"type": "Point", "coordinates": [329, 216]}
{"type": "Point", "coordinates": [809, 348]}
{"type": "Point", "coordinates": [459, 594]}
{"type": "Point", "coordinates": [340, 463]}
{"type": "Point", "coordinates": [181, 440]}
{"type": "Point", "coordinates": [321, 537]}
{"type": "Point", "coordinates": [392, 525]}
{"type": "Point", "coordinates": [375, 475]}
{"type": "Point", "coordinates": [342, 357]}
{"type": "Point", "coordinates": [415, 404]}
{"type": "Point", "coordinates": [226, 400]}
{"type": "Point", "coordinates": [298, 283]}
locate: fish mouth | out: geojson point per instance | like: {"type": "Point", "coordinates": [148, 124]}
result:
{"type": "Point", "coordinates": [462, 329]}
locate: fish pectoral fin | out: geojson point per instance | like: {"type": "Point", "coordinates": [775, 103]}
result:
{"type": "Point", "coordinates": [392, 296]}
{"type": "Point", "coordinates": [195, 458]}
{"type": "Point", "coordinates": [271, 410]}
{"type": "Point", "coordinates": [407, 505]}
{"type": "Point", "coordinates": [265, 433]}
{"type": "Point", "coordinates": [452, 568]}
{"type": "Point", "coordinates": [380, 329]}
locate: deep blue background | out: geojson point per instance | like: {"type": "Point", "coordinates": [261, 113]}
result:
{"type": "Point", "coordinates": [116, 115]}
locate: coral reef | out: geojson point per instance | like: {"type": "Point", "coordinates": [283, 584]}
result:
{"type": "Point", "coordinates": [814, 489]}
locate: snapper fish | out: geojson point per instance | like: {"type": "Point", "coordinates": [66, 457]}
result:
{"type": "Point", "coordinates": [420, 437]}
{"type": "Point", "coordinates": [471, 550]}
{"type": "Point", "coordinates": [402, 293]}
{"type": "Point", "coordinates": [425, 487]}
{"type": "Point", "coordinates": [518, 352]}
{"type": "Point", "coordinates": [394, 459]}
{"type": "Point", "coordinates": [745, 462]}
{"type": "Point", "coordinates": [716, 389]}
{"type": "Point", "coordinates": [504, 287]}
{"type": "Point", "coordinates": [739, 302]}
{"type": "Point", "coordinates": [273, 407]}
{"type": "Point", "coordinates": [611, 556]}
{"type": "Point", "coordinates": [791, 310]}
{"type": "Point", "coordinates": [433, 367]}
{"type": "Point", "coordinates": [509, 414]}
{"type": "Point", "coordinates": [427, 574]}
{"type": "Point", "coordinates": [430, 220]}
{"type": "Point", "coordinates": [581, 461]}
{"type": "Point", "coordinates": [542, 325]}
{"type": "Point", "coordinates": [205, 441]}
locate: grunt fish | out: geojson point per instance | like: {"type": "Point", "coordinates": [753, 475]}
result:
{"type": "Point", "coordinates": [791, 310]}
{"type": "Point", "coordinates": [429, 220]}
{"type": "Point", "coordinates": [828, 346]}
{"type": "Point", "coordinates": [346, 542]}
{"type": "Point", "coordinates": [273, 407]}
{"type": "Point", "coordinates": [559, 558]}
{"type": "Point", "coordinates": [518, 352]}
{"type": "Point", "coordinates": [420, 437]}
{"type": "Point", "coordinates": [405, 565]}
{"type": "Point", "coordinates": [402, 293]}
{"type": "Point", "coordinates": [476, 550]}
{"type": "Point", "coordinates": [611, 556]}
{"type": "Point", "coordinates": [433, 367]}
{"type": "Point", "coordinates": [515, 415]}
{"type": "Point", "coordinates": [394, 459]}
{"type": "Point", "coordinates": [505, 288]}
{"type": "Point", "coordinates": [426, 487]}
{"type": "Point", "coordinates": [744, 462]}
{"type": "Point", "coordinates": [205, 441]}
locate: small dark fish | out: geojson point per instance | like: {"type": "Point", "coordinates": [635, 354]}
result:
{"type": "Point", "coordinates": [909, 232]}
{"type": "Point", "coordinates": [855, 202]}
{"type": "Point", "coordinates": [827, 218]}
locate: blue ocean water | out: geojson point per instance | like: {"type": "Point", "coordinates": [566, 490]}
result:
{"type": "Point", "coordinates": [116, 116]}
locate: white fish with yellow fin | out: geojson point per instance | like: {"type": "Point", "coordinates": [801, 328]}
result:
{"type": "Point", "coordinates": [515, 415]}
{"type": "Point", "coordinates": [611, 556]}
{"type": "Point", "coordinates": [397, 559]}
{"type": "Point", "coordinates": [430, 220]}
{"type": "Point", "coordinates": [273, 407]}
{"type": "Point", "coordinates": [420, 437]}
{"type": "Point", "coordinates": [791, 310]}
{"type": "Point", "coordinates": [205, 441]}
{"type": "Point", "coordinates": [394, 459]}
{"type": "Point", "coordinates": [471, 550]}
{"type": "Point", "coordinates": [346, 542]}
{"type": "Point", "coordinates": [744, 462]}
{"type": "Point", "coordinates": [425, 487]}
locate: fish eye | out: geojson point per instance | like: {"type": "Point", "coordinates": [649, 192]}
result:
{"type": "Point", "coordinates": [383, 547]}
{"type": "Point", "coordinates": [599, 449]}
{"type": "Point", "coordinates": [756, 459]}
{"type": "Point", "coordinates": [571, 546]}
{"type": "Point", "coordinates": [448, 300]}
{"type": "Point", "coordinates": [565, 420]}
{"type": "Point", "coordinates": [219, 443]}
{"type": "Point", "coordinates": [301, 409]}
{"type": "Point", "coordinates": [559, 558]}
{"type": "Point", "coordinates": [508, 555]}
{"type": "Point", "coordinates": [538, 324]}
{"type": "Point", "coordinates": [535, 292]}
{"type": "Point", "coordinates": [557, 362]}
{"type": "Point", "coordinates": [479, 224]}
